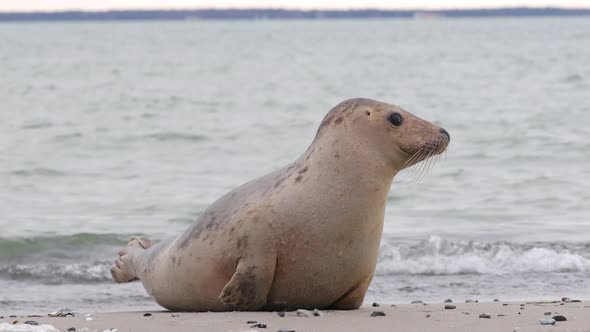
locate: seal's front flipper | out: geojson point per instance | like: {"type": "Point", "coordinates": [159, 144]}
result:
{"type": "Point", "coordinates": [249, 286]}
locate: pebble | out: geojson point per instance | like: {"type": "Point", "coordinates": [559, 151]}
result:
{"type": "Point", "coordinates": [496, 300]}
{"type": "Point", "coordinates": [259, 325]}
{"type": "Point", "coordinates": [147, 314]}
{"type": "Point", "coordinates": [448, 301]}
{"type": "Point", "coordinates": [565, 299]}
{"type": "Point", "coordinates": [61, 313]}
{"type": "Point", "coordinates": [469, 301]}
{"type": "Point", "coordinates": [251, 322]}
{"type": "Point", "coordinates": [547, 321]}
{"type": "Point", "coordinates": [72, 329]}
{"type": "Point", "coordinates": [110, 330]}
{"type": "Point", "coordinates": [377, 314]}
{"type": "Point", "coordinates": [285, 330]}
{"type": "Point", "coordinates": [281, 313]}
{"type": "Point", "coordinates": [485, 316]}
{"type": "Point", "coordinates": [305, 313]}
{"type": "Point", "coordinates": [175, 315]}
{"type": "Point", "coordinates": [375, 304]}
{"type": "Point", "coordinates": [450, 306]}
{"type": "Point", "coordinates": [504, 304]}
{"type": "Point", "coordinates": [416, 302]}
{"type": "Point", "coordinates": [317, 313]}
{"type": "Point", "coordinates": [428, 316]}
{"type": "Point", "coordinates": [547, 313]}
{"type": "Point", "coordinates": [31, 322]}
{"type": "Point", "coordinates": [558, 318]}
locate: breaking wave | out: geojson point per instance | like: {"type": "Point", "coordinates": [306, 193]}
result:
{"type": "Point", "coordinates": [58, 273]}
{"type": "Point", "coordinates": [437, 256]}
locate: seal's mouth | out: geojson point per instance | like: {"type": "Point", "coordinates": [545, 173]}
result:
{"type": "Point", "coordinates": [430, 149]}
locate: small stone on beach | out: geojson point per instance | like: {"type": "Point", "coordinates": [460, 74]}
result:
{"type": "Point", "coordinates": [251, 322]}
{"type": "Point", "coordinates": [558, 318]}
{"type": "Point", "coordinates": [547, 313]}
{"type": "Point", "coordinates": [547, 321]}
{"type": "Point", "coordinates": [504, 304]}
{"type": "Point", "coordinates": [375, 304]}
{"type": "Point", "coordinates": [306, 313]}
{"type": "Point", "coordinates": [450, 306]}
{"type": "Point", "coordinates": [448, 301]}
{"type": "Point", "coordinates": [416, 302]}
{"type": "Point", "coordinates": [377, 314]}
{"type": "Point", "coordinates": [485, 316]}
{"type": "Point", "coordinates": [285, 330]}
{"type": "Point", "coordinates": [71, 329]}
{"type": "Point", "coordinates": [428, 316]}
{"type": "Point", "coordinates": [110, 330]}
{"type": "Point", "coordinates": [61, 313]}
{"type": "Point", "coordinates": [469, 301]}
{"type": "Point", "coordinates": [147, 314]}
{"type": "Point", "coordinates": [31, 322]}
{"type": "Point", "coordinates": [259, 325]}
{"type": "Point", "coordinates": [496, 300]}
{"type": "Point", "coordinates": [281, 313]}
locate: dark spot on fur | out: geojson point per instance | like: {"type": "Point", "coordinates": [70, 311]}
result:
{"type": "Point", "coordinates": [243, 242]}
{"type": "Point", "coordinates": [305, 169]}
{"type": "Point", "coordinates": [367, 113]}
{"type": "Point", "coordinates": [206, 222]}
{"type": "Point", "coordinates": [337, 155]}
{"type": "Point", "coordinates": [298, 179]}
{"type": "Point", "coordinates": [232, 230]}
{"type": "Point", "coordinates": [338, 120]}
{"type": "Point", "coordinates": [326, 122]}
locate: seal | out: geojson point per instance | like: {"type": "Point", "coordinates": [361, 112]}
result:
{"type": "Point", "coordinates": [305, 236]}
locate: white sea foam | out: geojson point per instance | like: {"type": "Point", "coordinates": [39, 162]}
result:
{"type": "Point", "coordinates": [58, 273]}
{"type": "Point", "coordinates": [437, 256]}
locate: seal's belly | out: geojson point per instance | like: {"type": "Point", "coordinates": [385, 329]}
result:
{"type": "Point", "coordinates": [318, 279]}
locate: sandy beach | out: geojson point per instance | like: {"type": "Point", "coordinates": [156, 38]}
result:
{"type": "Point", "coordinates": [512, 316]}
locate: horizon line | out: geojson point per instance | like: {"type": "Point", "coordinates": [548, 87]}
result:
{"type": "Point", "coordinates": [351, 9]}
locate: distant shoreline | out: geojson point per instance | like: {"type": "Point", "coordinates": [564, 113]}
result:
{"type": "Point", "coordinates": [278, 14]}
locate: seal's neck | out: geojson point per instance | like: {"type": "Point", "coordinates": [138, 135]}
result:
{"type": "Point", "coordinates": [347, 169]}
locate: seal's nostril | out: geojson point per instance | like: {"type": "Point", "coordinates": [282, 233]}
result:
{"type": "Point", "coordinates": [445, 133]}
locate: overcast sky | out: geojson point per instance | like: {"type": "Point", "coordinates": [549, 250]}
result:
{"type": "Point", "coordinates": [29, 5]}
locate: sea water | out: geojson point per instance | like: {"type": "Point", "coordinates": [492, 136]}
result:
{"type": "Point", "coordinates": [109, 130]}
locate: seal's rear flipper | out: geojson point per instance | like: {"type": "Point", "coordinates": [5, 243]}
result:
{"type": "Point", "coordinates": [124, 270]}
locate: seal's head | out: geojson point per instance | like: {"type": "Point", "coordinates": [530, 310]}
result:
{"type": "Point", "coordinates": [400, 138]}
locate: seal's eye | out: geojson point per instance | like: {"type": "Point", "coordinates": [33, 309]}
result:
{"type": "Point", "coordinates": [396, 119]}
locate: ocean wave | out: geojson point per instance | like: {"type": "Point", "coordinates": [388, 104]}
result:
{"type": "Point", "coordinates": [38, 171]}
{"type": "Point", "coordinates": [58, 273]}
{"type": "Point", "coordinates": [15, 248]}
{"type": "Point", "coordinates": [437, 256]}
{"type": "Point", "coordinates": [170, 136]}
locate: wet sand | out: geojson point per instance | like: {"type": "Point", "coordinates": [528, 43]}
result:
{"type": "Point", "coordinates": [519, 316]}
